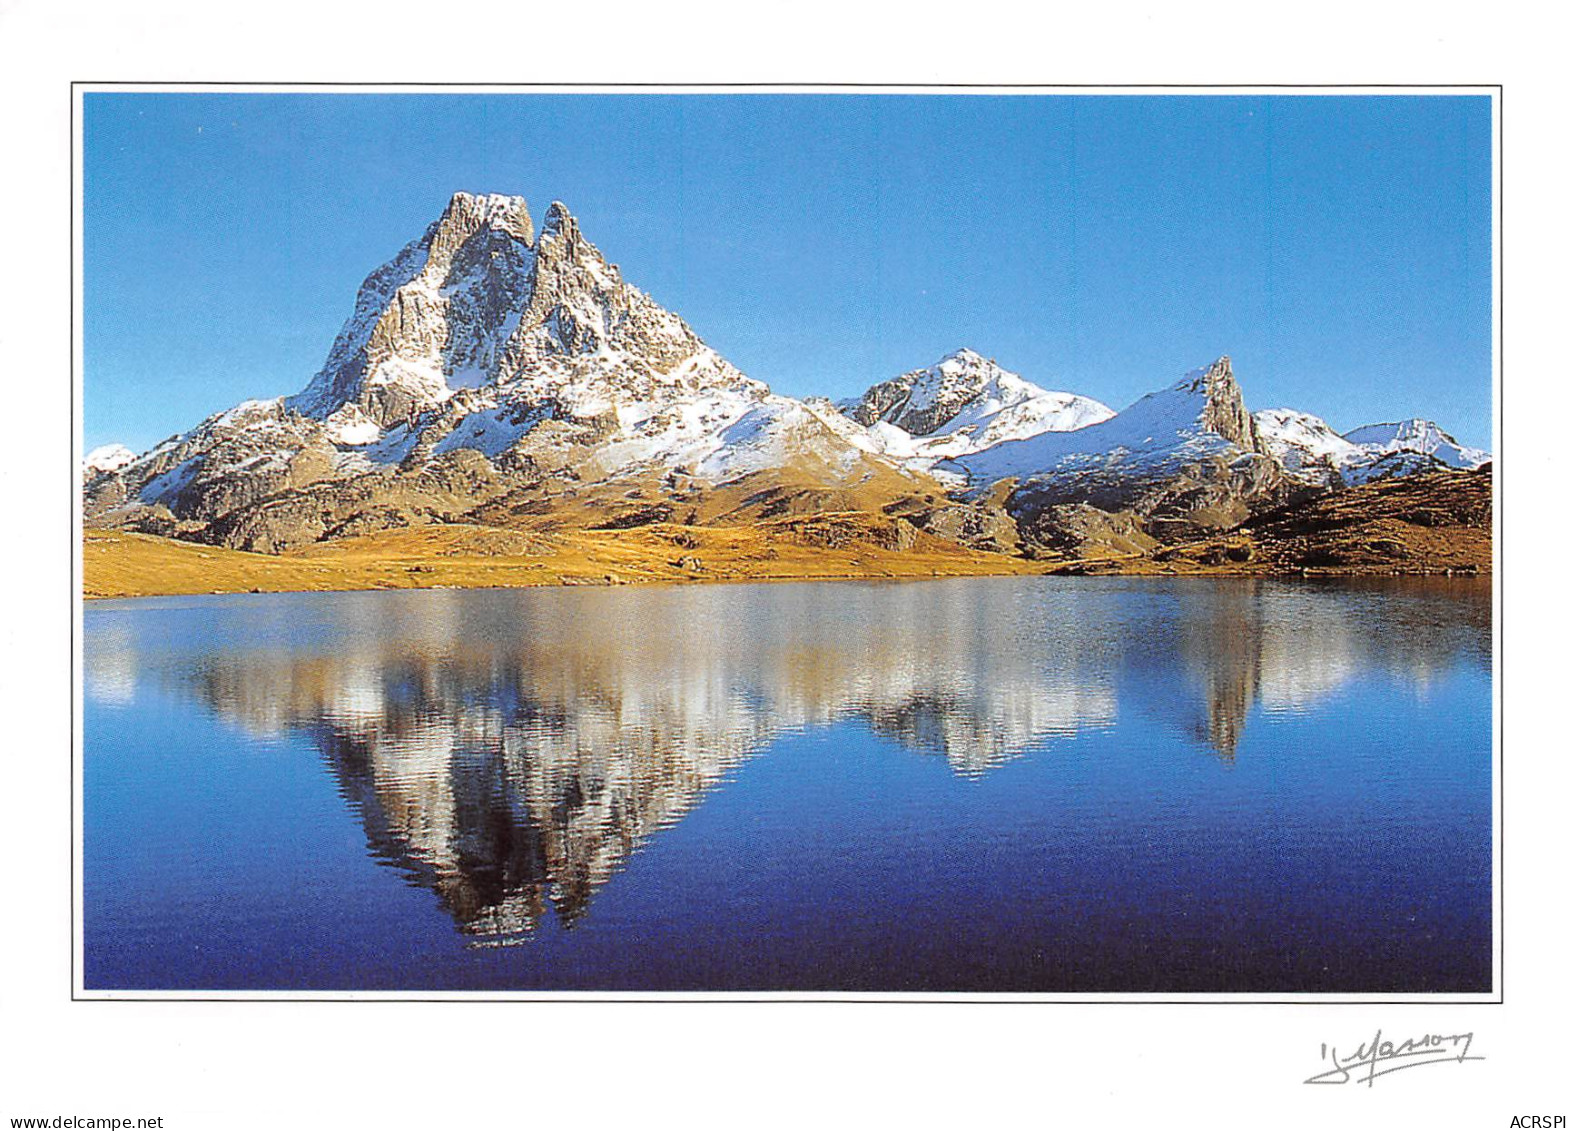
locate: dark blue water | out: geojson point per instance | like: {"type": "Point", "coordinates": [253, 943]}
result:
{"type": "Point", "coordinates": [1078, 784]}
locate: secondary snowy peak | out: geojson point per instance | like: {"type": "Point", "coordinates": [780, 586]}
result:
{"type": "Point", "coordinates": [961, 389]}
{"type": "Point", "coordinates": [1300, 434]}
{"type": "Point", "coordinates": [923, 400]}
{"type": "Point", "coordinates": [1418, 435]}
{"type": "Point", "coordinates": [483, 300]}
{"type": "Point", "coordinates": [962, 404]}
{"type": "Point", "coordinates": [1311, 450]}
{"type": "Point", "coordinates": [1198, 416]}
{"type": "Point", "coordinates": [109, 457]}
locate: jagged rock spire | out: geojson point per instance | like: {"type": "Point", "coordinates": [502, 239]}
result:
{"type": "Point", "coordinates": [1225, 413]}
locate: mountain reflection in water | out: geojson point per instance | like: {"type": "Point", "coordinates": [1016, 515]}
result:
{"type": "Point", "coordinates": [510, 750]}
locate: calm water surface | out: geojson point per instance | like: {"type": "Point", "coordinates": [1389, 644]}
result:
{"type": "Point", "coordinates": [1073, 784]}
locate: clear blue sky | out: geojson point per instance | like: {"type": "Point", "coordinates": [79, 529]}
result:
{"type": "Point", "coordinates": [1339, 248]}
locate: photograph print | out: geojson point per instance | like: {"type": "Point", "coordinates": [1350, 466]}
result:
{"type": "Point", "coordinates": [1029, 542]}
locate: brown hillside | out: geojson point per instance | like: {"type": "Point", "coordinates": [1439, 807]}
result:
{"type": "Point", "coordinates": [1430, 523]}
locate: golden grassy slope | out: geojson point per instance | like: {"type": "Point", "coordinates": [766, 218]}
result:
{"type": "Point", "coordinates": [555, 504]}
{"type": "Point", "coordinates": [850, 545]}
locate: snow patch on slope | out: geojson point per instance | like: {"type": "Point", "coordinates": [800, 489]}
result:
{"type": "Point", "coordinates": [776, 432]}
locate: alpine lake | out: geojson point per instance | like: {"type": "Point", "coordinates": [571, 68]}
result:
{"type": "Point", "coordinates": [1031, 785]}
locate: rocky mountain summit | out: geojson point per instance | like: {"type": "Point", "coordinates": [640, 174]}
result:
{"type": "Point", "coordinates": [480, 302]}
{"type": "Point", "coordinates": [964, 391]}
{"type": "Point", "coordinates": [486, 363]}
{"type": "Point", "coordinates": [498, 375]}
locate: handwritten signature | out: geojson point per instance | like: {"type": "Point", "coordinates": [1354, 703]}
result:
{"type": "Point", "coordinates": [1381, 1057]}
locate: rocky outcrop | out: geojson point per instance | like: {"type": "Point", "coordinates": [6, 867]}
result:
{"type": "Point", "coordinates": [976, 526]}
{"type": "Point", "coordinates": [980, 523]}
{"type": "Point", "coordinates": [1429, 522]}
{"type": "Point", "coordinates": [835, 531]}
{"type": "Point", "coordinates": [1078, 530]}
{"type": "Point", "coordinates": [446, 490]}
{"type": "Point", "coordinates": [1224, 413]}
{"type": "Point", "coordinates": [1212, 494]}
{"type": "Point", "coordinates": [1438, 521]}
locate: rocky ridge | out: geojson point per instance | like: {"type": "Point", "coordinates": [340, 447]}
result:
{"type": "Point", "coordinates": [492, 373]}
{"type": "Point", "coordinates": [1183, 460]}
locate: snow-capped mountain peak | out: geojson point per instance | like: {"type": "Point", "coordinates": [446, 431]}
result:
{"type": "Point", "coordinates": [923, 401]}
{"type": "Point", "coordinates": [432, 319]}
{"type": "Point", "coordinates": [108, 457]}
{"type": "Point", "coordinates": [961, 404]}
{"type": "Point", "coordinates": [1311, 449]}
{"type": "Point", "coordinates": [484, 300]}
{"type": "Point", "coordinates": [1302, 441]}
{"type": "Point", "coordinates": [1418, 435]}
{"type": "Point", "coordinates": [468, 213]}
